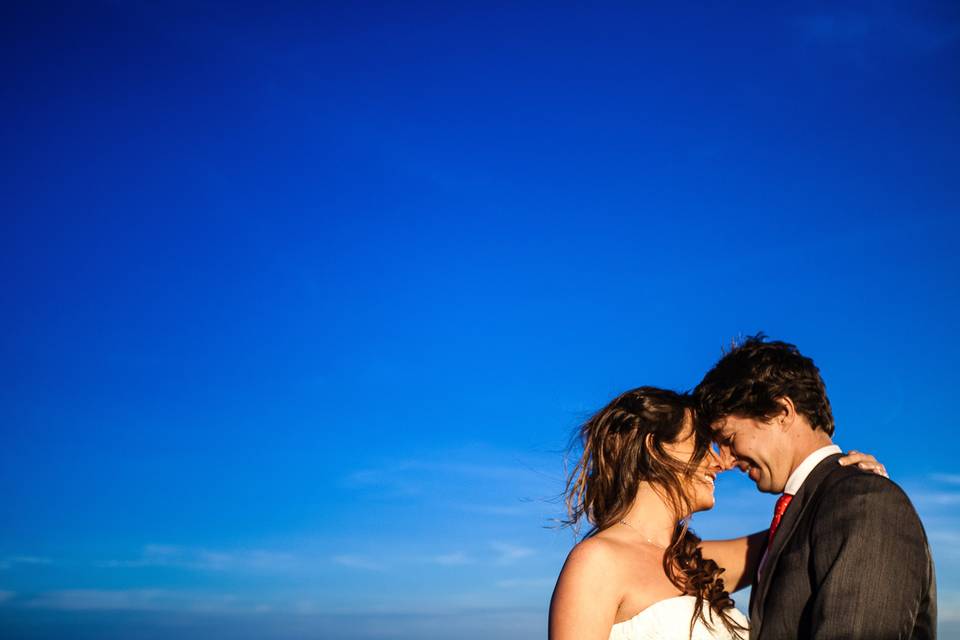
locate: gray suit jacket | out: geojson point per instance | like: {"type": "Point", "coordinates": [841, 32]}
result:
{"type": "Point", "coordinates": [850, 560]}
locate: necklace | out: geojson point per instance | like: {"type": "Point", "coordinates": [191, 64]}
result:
{"type": "Point", "coordinates": [647, 540]}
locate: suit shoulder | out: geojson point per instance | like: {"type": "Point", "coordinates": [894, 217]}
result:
{"type": "Point", "coordinates": [852, 479]}
{"type": "Point", "coordinates": [847, 483]}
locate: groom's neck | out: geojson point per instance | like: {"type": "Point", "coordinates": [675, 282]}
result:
{"type": "Point", "coordinates": [807, 441]}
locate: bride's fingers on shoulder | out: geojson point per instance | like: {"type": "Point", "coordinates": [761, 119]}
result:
{"type": "Point", "coordinates": [875, 467]}
{"type": "Point", "coordinates": [864, 461]}
{"type": "Point", "coordinates": [851, 457]}
{"type": "Point", "coordinates": [856, 457]}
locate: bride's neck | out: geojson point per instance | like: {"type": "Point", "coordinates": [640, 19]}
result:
{"type": "Point", "coordinates": [651, 517]}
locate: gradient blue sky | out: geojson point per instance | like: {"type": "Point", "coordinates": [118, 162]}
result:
{"type": "Point", "coordinates": [302, 301]}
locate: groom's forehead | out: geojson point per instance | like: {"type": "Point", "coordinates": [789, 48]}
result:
{"type": "Point", "coordinates": [719, 424]}
{"type": "Point", "coordinates": [726, 425]}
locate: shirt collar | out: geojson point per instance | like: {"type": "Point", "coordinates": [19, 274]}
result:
{"type": "Point", "coordinates": [795, 481]}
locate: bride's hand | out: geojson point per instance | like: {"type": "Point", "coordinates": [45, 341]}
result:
{"type": "Point", "coordinates": [865, 461]}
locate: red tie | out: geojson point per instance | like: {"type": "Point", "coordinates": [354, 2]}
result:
{"type": "Point", "coordinates": [782, 503]}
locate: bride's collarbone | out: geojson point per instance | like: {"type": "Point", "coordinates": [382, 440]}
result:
{"type": "Point", "coordinates": [639, 571]}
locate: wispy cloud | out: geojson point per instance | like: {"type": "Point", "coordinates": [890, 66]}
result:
{"type": "Point", "coordinates": [499, 553]}
{"type": "Point", "coordinates": [526, 583]}
{"type": "Point", "coordinates": [157, 555]}
{"type": "Point", "coordinates": [948, 606]}
{"type": "Point", "coordinates": [96, 599]}
{"type": "Point", "coordinates": [476, 464]}
{"type": "Point", "coordinates": [373, 563]}
{"type": "Point", "coordinates": [10, 561]}
{"type": "Point", "coordinates": [938, 535]}
{"type": "Point", "coordinates": [390, 474]}
{"type": "Point", "coordinates": [521, 508]}
{"type": "Point", "coordinates": [935, 495]}
{"type": "Point", "coordinates": [936, 498]}
{"type": "Point", "coordinates": [451, 559]}
{"type": "Point", "coordinates": [945, 543]}
{"type": "Point", "coordinates": [392, 479]}
{"type": "Point", "coordinates": [167, 600]}
{"type": "Point", "coordinates": [510, 553]}
{"type": "Point", "coordinates": [358, 562]}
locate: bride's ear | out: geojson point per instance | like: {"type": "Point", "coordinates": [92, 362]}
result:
{"type": "Point", "coordinates": [648, 443]}
{"type": "Point", "coordinates": [652, 450]}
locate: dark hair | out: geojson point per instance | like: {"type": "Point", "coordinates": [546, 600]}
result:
{"type": "Point", "coordinates": [749, 379]}
{"type": "Point", "coordinates": [623, 445]}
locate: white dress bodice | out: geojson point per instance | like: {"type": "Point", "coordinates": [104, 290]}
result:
{"type": "Point", "coordinates": [670, 620]}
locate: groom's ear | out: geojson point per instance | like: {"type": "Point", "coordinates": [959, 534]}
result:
{"type": "Point", "coordinates": [787, 417]}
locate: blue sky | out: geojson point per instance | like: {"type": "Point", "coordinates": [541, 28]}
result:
{"type": "Point", "coordinates": [303, 302]}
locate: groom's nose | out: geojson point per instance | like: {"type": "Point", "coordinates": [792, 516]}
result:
{"type": "Point", "coordinates": [727, 458]}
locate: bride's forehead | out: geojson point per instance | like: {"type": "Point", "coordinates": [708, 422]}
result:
{"type": "Point", "coordinates": [688, 432]}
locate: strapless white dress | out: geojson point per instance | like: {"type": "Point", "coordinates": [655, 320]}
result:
{"type": "Point", "coordinates": [670, 620]}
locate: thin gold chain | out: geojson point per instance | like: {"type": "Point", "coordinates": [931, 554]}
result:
{"type": "Point", "coordinates": [647, 540]}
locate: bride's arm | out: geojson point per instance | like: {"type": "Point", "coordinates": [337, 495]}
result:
{"type": "Point", "coordinates": [586, 598]}
{"type": "Point", "coordinates": [739, 557]}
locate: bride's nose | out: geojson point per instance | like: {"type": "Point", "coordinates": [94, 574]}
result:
{"type": "Point", "coordinates": [723, 457]}
{"type": "Point", "coordinates": [716, 464]}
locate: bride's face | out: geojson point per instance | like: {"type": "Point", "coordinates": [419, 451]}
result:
{"type": "Point", "coordinates": [699, 486]}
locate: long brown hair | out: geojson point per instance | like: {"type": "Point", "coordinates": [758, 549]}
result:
{"type": "Point", "coordinates": [622, 446]}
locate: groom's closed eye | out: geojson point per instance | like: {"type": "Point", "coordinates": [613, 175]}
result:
{"type": "Point", "coordinates": [722, 440]}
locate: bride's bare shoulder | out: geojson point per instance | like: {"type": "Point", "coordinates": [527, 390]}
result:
{"type": "Point", "coordinates": [592, 573]}
{"type": "Point", "coordinates": [588, 592]}
{"type": "Point", "coordinates": [604, 553]}
{"type": "Point", "coordinates": [596, 549]}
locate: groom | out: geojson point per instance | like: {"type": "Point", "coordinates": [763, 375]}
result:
{"type": "Point", "coordinates": [846, 556]}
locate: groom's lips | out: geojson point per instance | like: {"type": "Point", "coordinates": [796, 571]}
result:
{"type": "Point", "coordinates": [749, 469]}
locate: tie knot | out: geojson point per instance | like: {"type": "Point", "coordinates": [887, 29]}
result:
{"type": "Point", "coordinates": [782, 503]}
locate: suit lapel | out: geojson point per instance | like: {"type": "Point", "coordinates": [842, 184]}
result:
{"type": "Point", "coordinates": [788, 524]}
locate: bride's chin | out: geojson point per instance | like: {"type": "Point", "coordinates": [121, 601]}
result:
{"type": "Point", "coordinates": [706, 504]}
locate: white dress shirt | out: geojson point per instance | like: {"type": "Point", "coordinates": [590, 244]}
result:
{"type": "Point", "coordinates": [795, 481]}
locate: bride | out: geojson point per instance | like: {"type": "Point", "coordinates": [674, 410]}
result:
{"type": "Point", "coordinates": [640, 573]}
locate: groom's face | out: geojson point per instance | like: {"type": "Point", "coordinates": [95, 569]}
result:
{"type": "Point", "coordinates": [759, 448]}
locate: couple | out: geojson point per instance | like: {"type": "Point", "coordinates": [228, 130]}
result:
{"type": "Point", "coordinates": [845, 556]}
